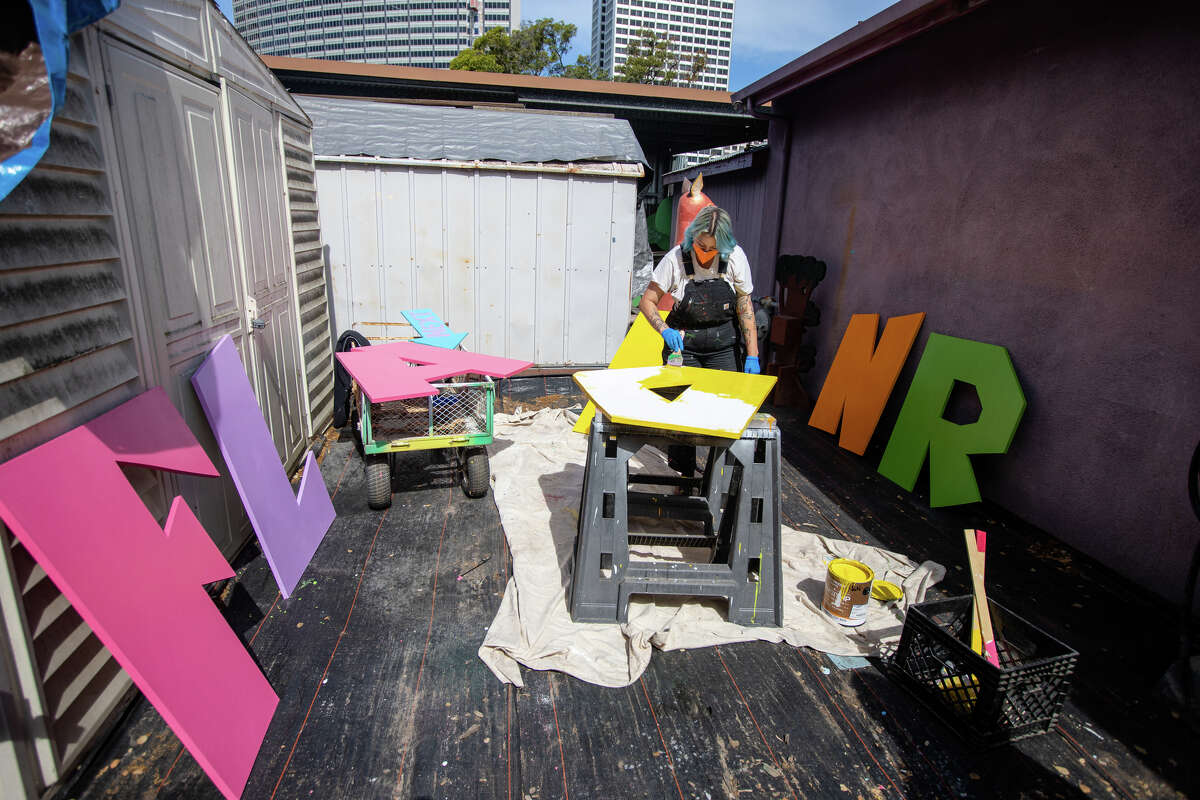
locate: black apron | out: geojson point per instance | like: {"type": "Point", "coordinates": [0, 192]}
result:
{"type": "Point", "coordinates": [706, 316]}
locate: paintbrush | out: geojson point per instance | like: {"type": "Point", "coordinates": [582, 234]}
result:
{"type": "Point", "coordinates": [472, 569]}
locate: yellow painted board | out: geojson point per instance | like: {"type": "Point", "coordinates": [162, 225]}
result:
{"type": "Point", "coordinates": [642, 347]}
{"type": "Point", "coordinates": [714, 402]}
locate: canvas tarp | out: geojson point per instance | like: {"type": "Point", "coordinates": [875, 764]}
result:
{"type": "Point", "coordinates": [537, 467]}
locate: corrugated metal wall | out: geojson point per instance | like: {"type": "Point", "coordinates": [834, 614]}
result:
{"type": "Point", "coordinates": [533, 261]}
{"type": "Point", "coordinates": [67, 354]}
{"type": "Point", "coordinates": [311, 288]}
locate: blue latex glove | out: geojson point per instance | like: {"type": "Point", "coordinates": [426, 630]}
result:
{"type": "Point", "coordinates": [673, 338]}
{"type": "Point", "coordinates": [752, 367]}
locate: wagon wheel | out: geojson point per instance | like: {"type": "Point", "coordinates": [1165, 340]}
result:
{"type": "Point", "coordinates": [475, 472]}
{"type": "Point", "coordinates": [379, 481]}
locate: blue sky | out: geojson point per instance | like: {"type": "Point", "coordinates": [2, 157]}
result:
{"type": "Point", "coordinates": [766, 33]}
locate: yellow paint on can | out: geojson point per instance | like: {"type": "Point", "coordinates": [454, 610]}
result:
{"type": "Point", "coordinates": [847, 588]}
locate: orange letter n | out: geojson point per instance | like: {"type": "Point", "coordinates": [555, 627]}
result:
{"type": "Point", "coordinates": [862, 376]}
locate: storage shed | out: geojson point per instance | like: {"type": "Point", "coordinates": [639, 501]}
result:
{"type": "Point", "coordinates": [517, 227]}
{"type": "Point", "coordinates": [174, 205]}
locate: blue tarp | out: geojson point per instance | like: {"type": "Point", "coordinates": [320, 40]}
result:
{"type": "Point", "coordinates": [55, 21]}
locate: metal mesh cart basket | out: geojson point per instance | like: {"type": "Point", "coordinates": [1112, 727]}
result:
{"type": "Point", "coordinates": [458, 418]}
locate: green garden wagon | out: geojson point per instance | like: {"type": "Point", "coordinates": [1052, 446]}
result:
{"type": "Point", "coordinates": [458, 418]}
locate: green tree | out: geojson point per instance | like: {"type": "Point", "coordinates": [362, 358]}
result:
{"type": "Point", "coordinates": [653, 58]}
{"type": "Point", "coordinates": [537, 48]}
{"type": "Point", "coordinates": [649, 59]}
{"type": "Point", "coordinates": [696, 66]}
{"type": "Point", "coordinates": [494, 51]}
{"type": "Point", "coordinates": [584, 70]}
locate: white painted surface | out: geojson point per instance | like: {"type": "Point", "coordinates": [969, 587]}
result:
{"type": "Point", "coordinates": [258, 173]}
{"type": "Point", "coordinates": [534, 263]}
{"type": "Point", "coordinates": [195, 34]}
{"type": "Point", "coordinates": [714, 402]}
{"type": "Point", "coordinates": [181, 215]}
{"type": "Point", "coordinates": [179, 29]}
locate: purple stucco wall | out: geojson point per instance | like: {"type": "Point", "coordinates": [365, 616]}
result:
{"type": "Point", "coordinates": [1030, 177]}
{"type": "Point", "coordinates": [740, 192]}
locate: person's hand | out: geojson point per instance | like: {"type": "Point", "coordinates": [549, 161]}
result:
{"type": "Point", "coordinates": [673, 338]}
{"type": "Point", "coordinates": [752, 367]}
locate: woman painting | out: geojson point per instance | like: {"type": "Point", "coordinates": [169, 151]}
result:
{"type": "Point", "coordinates": [709, 276]}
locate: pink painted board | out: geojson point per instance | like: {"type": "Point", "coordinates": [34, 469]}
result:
{"type": "Point", "coordinates": [289, 527]}
{"type": "Point", "coordinates": [385, 373]}
{"type": "Point", "coordinates": [139, 586]}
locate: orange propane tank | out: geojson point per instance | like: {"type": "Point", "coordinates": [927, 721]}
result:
{"type": "Point", "coordinates": [692, 201]}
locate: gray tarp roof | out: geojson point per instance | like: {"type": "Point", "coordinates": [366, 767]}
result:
{"type": "Point", "coordinates": [351, 127]}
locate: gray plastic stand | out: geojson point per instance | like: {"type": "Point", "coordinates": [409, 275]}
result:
{"type": "Point", "coordinates": [737, 502]}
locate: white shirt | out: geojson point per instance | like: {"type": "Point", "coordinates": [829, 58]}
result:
{"type": "Point", "coordinates": [671, 277]}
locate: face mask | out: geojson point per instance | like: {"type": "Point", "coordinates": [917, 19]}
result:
{"type": "Point", "coordinates": [704, 258]}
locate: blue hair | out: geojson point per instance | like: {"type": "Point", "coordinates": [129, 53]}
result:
{"type": "Point", "coordinates": [723, 232]}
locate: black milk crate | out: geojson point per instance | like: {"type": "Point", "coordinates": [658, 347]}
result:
{"type": "Point", "coordinates": [988, 705]}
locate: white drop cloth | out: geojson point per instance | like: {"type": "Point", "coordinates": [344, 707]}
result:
{"type": "Point", "coordinates": [537, 468]}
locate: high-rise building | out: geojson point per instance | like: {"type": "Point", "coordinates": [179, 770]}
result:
{"type": "Point", "coordinates": [693, 26]}
{"type": "Point", "coordinates": [413, 33]}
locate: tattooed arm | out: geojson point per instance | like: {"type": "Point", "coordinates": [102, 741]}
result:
{"type": "Point", "coordinates": [745, 315]}
{"type": "Point", "coordinates": [649, 306]}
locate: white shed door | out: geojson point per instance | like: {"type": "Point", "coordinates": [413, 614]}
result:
{"type": "Point", "coordinates": [258, 174]}
{"type": "Point", "coordinates": [172, 147]}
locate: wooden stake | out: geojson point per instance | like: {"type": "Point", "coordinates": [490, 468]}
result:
{"type": "Point", "coordinates": [976, 550]}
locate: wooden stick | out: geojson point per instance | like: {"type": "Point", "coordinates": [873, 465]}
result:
{"type": "Point", "coordinates": [976, 625]}
{"type": "Point", "coordinates": [976, 555]}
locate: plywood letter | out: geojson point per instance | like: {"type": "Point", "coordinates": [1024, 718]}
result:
{"type": "Point", "coordinates": [288, 527]}
{"type": "Point", "coordinates": [862, 376]}
{"type": "Point", "coordinates": [400, 370]}
{"type": "Point", "coordinates": [139, 586]}
{"type": "Point", "coordinates": [432, 330]}
{"type": "Point", "coordinates": [921, 427]}
{"type": "Point", "coordinates": [641, 347]}
{"type": "Point", "coordinates": [712, 402]}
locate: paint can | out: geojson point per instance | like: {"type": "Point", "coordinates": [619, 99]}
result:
{"type": "Point", "coordinates": [847, 588]}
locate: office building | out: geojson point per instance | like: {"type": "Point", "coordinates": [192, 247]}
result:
{"type": "Point", "coordinates": [413, 33]}
{"type": "Point", "coordinates": [691, 25]}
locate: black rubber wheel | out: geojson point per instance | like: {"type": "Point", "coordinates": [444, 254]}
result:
{"type": "Point", "coordinates": [476, 472]}
{"type": "Point", "coordinates": [379, 481]}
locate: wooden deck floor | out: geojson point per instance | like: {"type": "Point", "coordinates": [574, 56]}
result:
{"type": "Point", "coordinates": [382, 694]}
